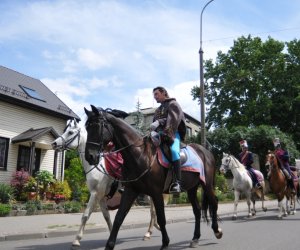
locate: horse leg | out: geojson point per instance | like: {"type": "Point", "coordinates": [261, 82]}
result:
{"type": "Point", "coordinates": [153, 221]}
{"type": "Point", "coordinates": [85, 216]}
{"type": "Point", "coordinates": [210, 198]}
{"type": "Point", "coordinates": [248, 197]}
{"type": "Point", "coordinates": [192, 195]}
{"type": "Point", "coordinates": [161, 219]}
{"type": "Point", "coordinates": [253, 206]}
{"type": "Point", "coordinates": [263, 197]}
{"type": "Point", "coordinates": [105, 212]}
{"type": "Point", "coordinates": [236, 201]}
{"type": "Point", "coordinates": [287, 205]}
{"type": "Point", "coordinates": [127, 200]}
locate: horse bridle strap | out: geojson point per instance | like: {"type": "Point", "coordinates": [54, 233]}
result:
{"type": "Point", "coordinates": [66, 143]}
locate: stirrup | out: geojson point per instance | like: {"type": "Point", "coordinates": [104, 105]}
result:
{"type": "Point", "coordinates": [175, 188]}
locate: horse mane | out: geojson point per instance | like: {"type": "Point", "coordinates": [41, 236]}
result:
{"type": "Point", "coordinates": [115, 112]}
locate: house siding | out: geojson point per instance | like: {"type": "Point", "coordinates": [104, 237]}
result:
{"type": "Point", "coordinates": [19, 119]}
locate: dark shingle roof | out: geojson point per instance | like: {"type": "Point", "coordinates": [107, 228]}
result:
{"type": "Point", "coordinates": [33, 134]}
{"type": "Point", "coordinates": [11, 90]}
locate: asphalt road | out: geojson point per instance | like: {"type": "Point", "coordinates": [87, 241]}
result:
{"type": "Point", "coordinates": [263, 232]}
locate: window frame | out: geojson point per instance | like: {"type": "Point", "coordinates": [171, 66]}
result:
{"type": "Point", "coordinates": [6, 149]}
{"type": "Point", "coordinates": [32, 93]}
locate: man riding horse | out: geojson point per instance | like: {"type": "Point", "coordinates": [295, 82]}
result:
{"type": "Point", "coordinates": [283, 157]}
{"type": "Point", "coordinates": [169, 122]}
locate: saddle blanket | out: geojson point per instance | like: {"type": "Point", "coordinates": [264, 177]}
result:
{"type": "Point", "coordinates": [258, 174]}
{"type": "Point", "coordinates": [113, 164]}
{"type": "Point", "coordinates": [193, 163]}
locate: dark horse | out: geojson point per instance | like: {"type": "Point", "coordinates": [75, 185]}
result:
{"type": "Point", "coordinates": [143, 174]}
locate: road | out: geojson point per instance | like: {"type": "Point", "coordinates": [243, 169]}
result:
{"type": "Point", "coordinates": [263, 232]}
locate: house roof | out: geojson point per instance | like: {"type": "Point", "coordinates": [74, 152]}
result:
{"type": "Point", "coordinates": [26, 91]}
{"type": "Point", "coordinates": [33, 134]}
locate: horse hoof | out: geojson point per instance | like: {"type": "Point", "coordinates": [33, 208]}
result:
{"type": "Point", "coordinates": [76, 243]}
{"type": "Point", "coordinates": [146, 238]}
{"type": "Point", "coordinates": [194, 243]}
{"type": "Point", "coordinates": [219, 234]}
{"type": "Point", "coordinates": [164, 248]}
{"type": "Point", "coordinates": [234, 217]}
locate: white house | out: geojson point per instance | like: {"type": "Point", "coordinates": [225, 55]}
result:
{"type": "Point", "coordinates": [31, 118]}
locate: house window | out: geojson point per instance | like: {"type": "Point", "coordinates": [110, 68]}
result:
{"type": "Point", "coordinates": [24, 159]}
{"type": "Point", "coordinates": [3, 152]}
{"type": "Point", "coordinates": [32, 93]}
{"type": "Point", "coordinates": [189, 131]}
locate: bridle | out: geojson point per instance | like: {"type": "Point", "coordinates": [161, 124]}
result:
{"type": "Point", "coordinates": [101, 121]}
{"type": "Point", "coordinates": [227, 166]}
{"type": "Point", "coordinates": [66, 143]}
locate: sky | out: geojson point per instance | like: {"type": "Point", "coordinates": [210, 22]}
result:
{"type": "Point", "coordinates": [113, 53]}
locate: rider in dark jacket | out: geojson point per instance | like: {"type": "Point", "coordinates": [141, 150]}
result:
{"type": "Point", "coordinates": [246, 158]}
{"type": "Point", "coordinates": [169, 122]}
{"type": "Point", "coordinates": [283, 157]}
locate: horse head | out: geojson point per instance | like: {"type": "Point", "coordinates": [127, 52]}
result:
{"type": "Point", "coordinates": [69, 139]}
{"type": "Point", "coordinates": [99, 133]}
{"type": "Point", "coordinates": [271, 161]}
{"type": "Point", "coordinates": [225, 165]}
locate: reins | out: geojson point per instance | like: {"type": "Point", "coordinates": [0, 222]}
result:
{"type": "Point", "coordinates": [102, 122]}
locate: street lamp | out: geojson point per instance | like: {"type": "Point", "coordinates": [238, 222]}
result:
{"type": "Point", "coordinates": [202, 103]}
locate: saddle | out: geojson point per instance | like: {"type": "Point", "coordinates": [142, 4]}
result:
{"type": "Point", "coordinates": [189, 159]}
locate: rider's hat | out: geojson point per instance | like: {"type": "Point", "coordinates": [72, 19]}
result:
{"type": "Point", "coordinates": [276, 142]}
{"type": "Point", "coordinates": [243, 143]}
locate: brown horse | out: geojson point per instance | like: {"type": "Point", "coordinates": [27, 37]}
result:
{"type": "Point", "coordinates": [142, 173]}
{"type": "Point", "coordinates": [278, 185]}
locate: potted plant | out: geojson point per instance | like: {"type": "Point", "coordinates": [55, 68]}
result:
{"type": "Point", "coordinates": [44, 179]}
{"type": "Point", "coordinates": [31, 188]}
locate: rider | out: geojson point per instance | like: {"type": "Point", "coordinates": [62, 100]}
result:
{"type": "Point", "coordinates": [246, 158]}
{"type": "Point", "coordinates": [169, 122]}
{"type": "Point", "coordinates": [283, 157]}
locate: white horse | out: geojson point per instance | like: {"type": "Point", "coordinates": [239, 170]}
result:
{"type": "Point", "coordinates": [242, 183]}
{"type": "Point", "coordinates": [98, 183]}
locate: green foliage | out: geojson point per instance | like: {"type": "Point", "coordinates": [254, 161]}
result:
{"type": "Point", "coordinates": [255, 83]}
{"type": "Point", "coordinates": [4, 209]}
{"type": "Point", "coordinates": [70, 154]}
{"type": "Point", "coordinates": [76, 179]}
{"type": "Point", "coordinates": [63, 188]}
{"type": "Point", "coordinates": [6, 193]}
{"type": "Point", "coordinates": [44, 178]}
{"type": "Point", "coordinates": [72, 207]}
{"type": "Point", "coordinates": [33, 206]}
{"type": "Point", "coordinates": [260, 140]}
{"type": "Point", "coordinates": [31, 185]}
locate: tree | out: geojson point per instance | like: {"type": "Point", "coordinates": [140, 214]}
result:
{"type": "Point", "coordinates": [138, 118]}
{"type": "Point", "coordinates": [255, 83]}
{"type": "Point", "coordinates": [260, 140]}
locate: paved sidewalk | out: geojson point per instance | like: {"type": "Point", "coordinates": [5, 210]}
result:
{"type": "Point", "coordinates": [57, 225]}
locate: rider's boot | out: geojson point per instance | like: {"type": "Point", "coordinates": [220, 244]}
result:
{"type": "Point", "coordinates": [113, 188]}
{"type": "Point", "coordinates": [175, 187]}
{"type": "Point", "coordinates": [291, 185]}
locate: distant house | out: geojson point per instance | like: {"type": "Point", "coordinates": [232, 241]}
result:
{"type": "Point", "coordinates": [144, 118]}
{"type": "Point", "coordinates": [31, 118]}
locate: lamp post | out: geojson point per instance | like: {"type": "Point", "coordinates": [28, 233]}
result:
{"type": "Point", "coordinates": [202, 102]}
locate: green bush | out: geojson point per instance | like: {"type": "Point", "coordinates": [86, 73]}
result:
{"type": "Point", "coordinates": [6, 193]}
{"type": "Point", "coordinates": [33, 206]}
{"type": "Point", "coordinates": [4, 209]}
{"type": "Point", "coordinates": [72, 207]}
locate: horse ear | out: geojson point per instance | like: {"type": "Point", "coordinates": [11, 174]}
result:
{"type": "Point", "coordinates": [86, 111]}
{"type": "Point", "coordinates": [95, 110]}
{"type": "Point", "coordinates": [75, 122]}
